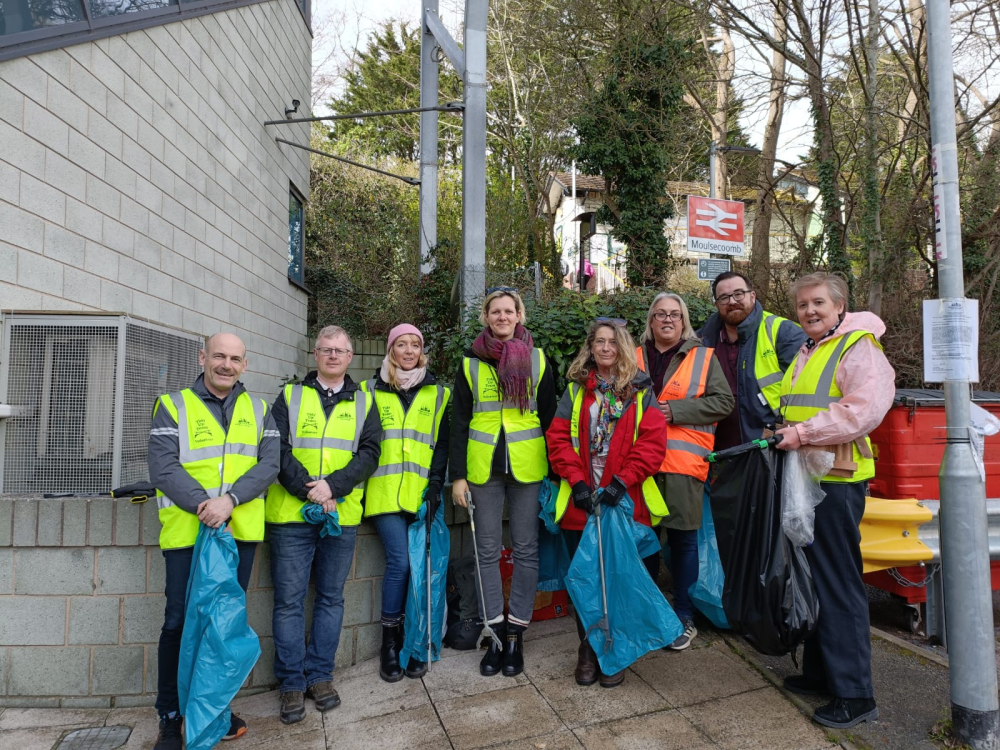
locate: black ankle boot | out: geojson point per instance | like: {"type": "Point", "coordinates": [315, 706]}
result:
{"type": "Point", "coordinates": [493, 661]}
{"type": "Point", "coordinates": [513, 651]}
{"type": "Point", "coordinates": [392, 639]}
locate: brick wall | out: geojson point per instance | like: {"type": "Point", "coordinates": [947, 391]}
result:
{"type": "Point", "coordinates": [81, 601]}
{"type": "Point", "coordinates": [136, 177]}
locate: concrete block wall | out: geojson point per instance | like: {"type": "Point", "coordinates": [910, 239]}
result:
{"type": "Point", "coordinates": [136, 177]}
{"type": "Point", "coordinates": [81, 603]}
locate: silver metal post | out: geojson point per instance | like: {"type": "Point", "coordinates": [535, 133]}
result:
{"type": "Point", "coordinates": [428, 140]}
{"type": "Point", "coordinates": [711, 169]}
{"type": "Point", "coordinates": [965, 562]}
{"type": "Point", "coordinates": [474, 155]}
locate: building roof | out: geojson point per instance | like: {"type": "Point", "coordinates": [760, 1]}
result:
{"type": "Point", "coordinates": [583, 181]}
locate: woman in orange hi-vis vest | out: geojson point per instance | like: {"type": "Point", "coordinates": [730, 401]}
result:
{"type": "Point", "coordinates": [693, 395]}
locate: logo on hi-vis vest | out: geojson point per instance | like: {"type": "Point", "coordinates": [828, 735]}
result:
{"type": "Point", "coordinates": [244, 422]}
{"type": "Point", "coordinates": [387, 415]}
{"type": "Point", "coordinates": [345, 415]}
{"type": "Point", "coordinates": [425, 411]}
{"type": "Point", "coordinates": [309, 425]}
{"type": "Point", "coordinates": [202, 432]}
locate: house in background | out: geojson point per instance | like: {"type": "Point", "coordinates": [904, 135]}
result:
{"type": "Point", "coordinates": [576, 228]}
{"type": "Point", "coordinates": [143, 206]}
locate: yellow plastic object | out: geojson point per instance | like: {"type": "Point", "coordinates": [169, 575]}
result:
{"type": "Point", "coordinates": [889, 534]}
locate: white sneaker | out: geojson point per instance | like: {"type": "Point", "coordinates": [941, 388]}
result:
{"type": "Point", "coordinates": [684, 639]}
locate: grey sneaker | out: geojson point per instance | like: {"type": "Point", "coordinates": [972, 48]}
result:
{"type": "Point", "coordinates": [682, 641]}
{"type": "Point", "coordinates": [293, 707]}
{"type": "Point", "coordinates": [324, 695]}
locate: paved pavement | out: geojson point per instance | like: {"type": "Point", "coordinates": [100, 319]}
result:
{"type": "Point", "coordinates": [705, 697]}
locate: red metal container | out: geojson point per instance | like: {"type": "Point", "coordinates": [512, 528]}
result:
{"type": "Point", "coordinates": [908, 448]}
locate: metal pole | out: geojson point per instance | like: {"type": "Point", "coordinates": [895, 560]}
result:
{"type": "Point", "coordinates": [474, 155]}
{"type": "Point", "coordinates": [711, 169]}
{"type": "Point", "coordinates": [965, 562]}
{"type": "Point", "coordinates": [407, 180]}
{"type": "Point", "coordinates": [428, 141]}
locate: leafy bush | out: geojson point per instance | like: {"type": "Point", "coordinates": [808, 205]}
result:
{"type": "Point", "coordinates": [559, 325]}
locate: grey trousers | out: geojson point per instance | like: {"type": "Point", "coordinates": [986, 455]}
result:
{"type": "Point", "coordinates": [523, 508]}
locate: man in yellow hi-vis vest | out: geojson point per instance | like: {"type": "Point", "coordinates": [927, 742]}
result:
{"type": "Point", "coordinates": [754, 348]}
{"type": "Point", "coordinates": [330, 444]}
{"type": "Point", "coordinates": [213, 452]}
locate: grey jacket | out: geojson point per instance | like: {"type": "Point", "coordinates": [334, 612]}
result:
{"type": "Point", "coordinates": [167, 474]}
{"type": "Point", "coordinates": [754, 412]}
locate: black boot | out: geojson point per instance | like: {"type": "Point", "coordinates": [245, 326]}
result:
{"type": "Point", "coordinates": [513, 651]}
{"type": "Point", "coordinates": [493, 661]}
{"type": "Point", "coordinates": [392, 638]}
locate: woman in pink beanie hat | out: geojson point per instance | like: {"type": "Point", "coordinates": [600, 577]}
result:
{"type": "Point", "coordinates": [412, 466]}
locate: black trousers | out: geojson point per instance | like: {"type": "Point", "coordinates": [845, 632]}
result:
{"type": "Point", "coordinates": [840, 650]}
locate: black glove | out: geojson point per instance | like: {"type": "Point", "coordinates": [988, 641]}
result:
{"type": "Point", "coordinates": [583, 498]}
{"type": "Point", "coordinates": [433, 498]}
{"type": "Point", "coordinates": [613, 493]}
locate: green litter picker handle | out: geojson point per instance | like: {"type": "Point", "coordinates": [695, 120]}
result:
{"type": "Point", "coordinates": [759, 444]}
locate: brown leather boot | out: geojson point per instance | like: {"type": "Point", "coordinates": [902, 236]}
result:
{"type": "Point", "coordinates": [586, 664]}
{"type": "Point", "coordinates": [612, 680]}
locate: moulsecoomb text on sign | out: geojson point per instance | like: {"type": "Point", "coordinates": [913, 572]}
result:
{"type": "Point", "coordinates": [714, 226]}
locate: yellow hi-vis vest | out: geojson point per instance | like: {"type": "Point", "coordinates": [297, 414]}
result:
{"type": "Point", "coordinates": [650, 492]}
{"type": "Point", "coordinates": [765, 359]}
{"type": "Point", "coordinates": [322, 446]}
{"type": "Point", "coordinates": [408, 440]}
{"type": "Point", "coordinates": [816, 389]}
{"type": "Point", "coordinates": [523, 432]}
{"type": "Point", "coordinates": [215, 459]}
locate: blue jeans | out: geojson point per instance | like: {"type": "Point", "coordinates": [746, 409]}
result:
{"type": "Point", "coordinates": [297, 549]}
{"type": "Point", "coordinates": [392, 530]}
{"type": "Point", "coordinates": [178, 570]}
{"type": "Point", "coordinates": [683, 568]}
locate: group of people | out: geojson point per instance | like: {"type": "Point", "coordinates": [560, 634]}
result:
{"type": "Point", "coordinates": [634, 419]}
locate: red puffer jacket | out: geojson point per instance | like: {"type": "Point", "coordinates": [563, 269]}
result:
{"type": "Point", "coordinates": [632, 462]}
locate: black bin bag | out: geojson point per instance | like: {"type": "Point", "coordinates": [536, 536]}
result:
{"type": "Point", "coordinates": [768, 596]}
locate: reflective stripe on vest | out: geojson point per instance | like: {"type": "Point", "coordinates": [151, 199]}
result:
{"type": "Point", "coordinates": [407, 448]}
{"type": "Point", "coordinates": [322, 445]}
{"type": "Point", "coordinates": [816, 390]}
{"type": "Point", "coordinates": [766, 367]}
{"type": "Point", "coordinates": [687, 444]}
{"type": "Point", "coordinates": [651, 494]}
{"type": "Point", "coordinates": [523, 431]}
{"type": "Point", "coordinates": [215, 460]}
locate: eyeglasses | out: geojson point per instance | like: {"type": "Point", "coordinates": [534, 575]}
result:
{"type": "Point", "coordinates": [662, 316]}
{"type": "Point", "coordinates": [615, 321]}
{"type": "Point", "coordinates": [736, 296]}
{"type": "Point", "coordinates": [326, 351]}
{"type": "Point", "coordinates": [501, 289]}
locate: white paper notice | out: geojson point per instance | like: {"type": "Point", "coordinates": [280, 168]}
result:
{"type": "Point", "coordinates": [951, 340]}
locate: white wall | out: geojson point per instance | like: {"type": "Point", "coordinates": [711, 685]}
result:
{"type": "Point", "coordinates": [135, 177]}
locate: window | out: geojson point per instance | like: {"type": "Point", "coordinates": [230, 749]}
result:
{"type": "Point", "coordinates": [17, 16]}
{"type": "Point", "coordinates": [296, 268]}
{"type": "Point", "coordinates": [108, 8]}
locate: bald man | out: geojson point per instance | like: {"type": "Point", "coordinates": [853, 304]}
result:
{"type": "Point", "coordinates": [213, 452]}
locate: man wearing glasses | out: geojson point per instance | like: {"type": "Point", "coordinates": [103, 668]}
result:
{"type": "Point", "coordinates": [330, 438]}
{"type": "Point", "coordinates": [755, 348]}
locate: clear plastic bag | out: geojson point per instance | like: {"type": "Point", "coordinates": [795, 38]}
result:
{"type": "Point", "coordinates": [801, 493]}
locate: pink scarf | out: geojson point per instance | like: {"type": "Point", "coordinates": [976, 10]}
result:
{"type": "Point", "coordinates": [513, 358]}
{"type": "Point", "coordinates": [407, 378]}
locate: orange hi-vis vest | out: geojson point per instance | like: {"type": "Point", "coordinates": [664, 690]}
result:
{"type": "Point", "coordinates": [687, 444]}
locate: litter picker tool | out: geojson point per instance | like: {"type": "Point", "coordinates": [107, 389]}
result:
{"type": "Point", "coordinates": [736, 450]}
{"type": "Point", "coordinates": [487, 630]}
{"type": "Point", "coordinates": [601, 624]}
{"type": "Point", "coordinates": [430, 521]}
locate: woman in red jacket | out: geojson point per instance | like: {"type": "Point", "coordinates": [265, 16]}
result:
{"type": "Point", "coordinates": [600, 452]}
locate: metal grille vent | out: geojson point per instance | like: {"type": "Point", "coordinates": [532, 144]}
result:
{"type": "Point", "coordinates": [82, 388]}
{"type": "Point", "coordinates": [95, 738]}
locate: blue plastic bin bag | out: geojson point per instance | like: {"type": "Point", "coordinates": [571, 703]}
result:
{"type": "Point", "coordinates": [415, 627]}
{"type": "Point", "coordinates": [313, 513]}
{"type": "Point", "coordinates": [218, 647]}
{"type": "Point", "coordinates": [553, 555]}
{"type": "Point", "coordinates": [640, 618]}
{"type": "Point", "coordinates": [706, 592]}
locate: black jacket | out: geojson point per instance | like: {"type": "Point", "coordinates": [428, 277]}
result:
{"type": "Point", "coordinates": [439, 461]}
{"type": "Point", "coordinates": [172, 479]}
{"type": "Point", "coordinates": [293, 475]}
{"type": "Point", "coordinates": [461, 416]}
